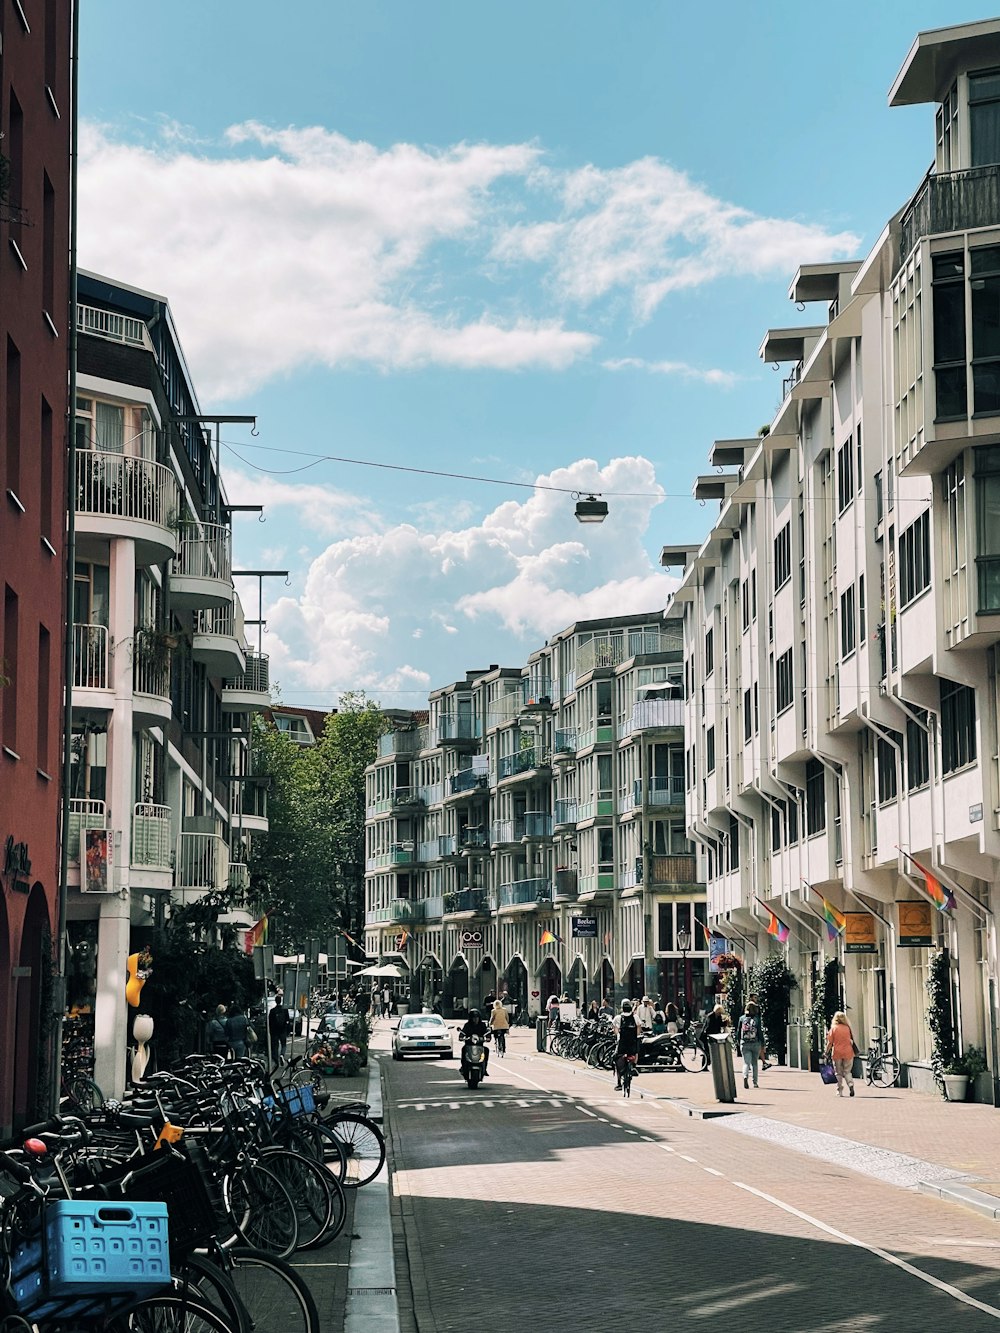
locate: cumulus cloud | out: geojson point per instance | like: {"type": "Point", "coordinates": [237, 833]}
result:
{"type": "Point", "coordinates": [405, 609]}
{"type": "Point", "coordinates": [723, 379]}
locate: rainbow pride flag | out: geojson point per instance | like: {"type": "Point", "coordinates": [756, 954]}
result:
{"type": "Point", "coordinates": [944, 899]}
{"type": "Point", "coordinates": [548, 937]}
{"type": "Point", "coordinates": [836, 922]}
{"type": "Point", "coordinates": [710, 935]}
{"type": "Point", "coordinates": [257, 934]}
{"type": "Point", "coordinates": [775, 925]}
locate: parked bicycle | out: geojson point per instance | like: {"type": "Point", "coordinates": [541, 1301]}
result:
{"type": "Point", "coordinates": [881, 1065]}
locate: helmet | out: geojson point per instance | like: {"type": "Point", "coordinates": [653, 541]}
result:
{"type": "Point", "coordinates": [473, 1013]}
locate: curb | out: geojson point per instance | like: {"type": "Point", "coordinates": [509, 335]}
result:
{"type": "Point", "coordinates": [371, 1271]}
{"type": "Point", "coordinates": [987, 1205]}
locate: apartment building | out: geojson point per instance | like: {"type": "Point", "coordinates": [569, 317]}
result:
{"type": "Point", "coordinates": [163, 797]}
{"type": "Point", "coordinates": [34, 305]}
{"type": "Point", "coordinates": [543, 802]}
{"type": "Point", "coordinates": [842, 617]}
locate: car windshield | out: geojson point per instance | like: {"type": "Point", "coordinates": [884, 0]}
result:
{"type": "Point", "coordinates": [421, 1021]}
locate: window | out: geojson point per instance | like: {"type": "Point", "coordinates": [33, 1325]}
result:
{"type": "Point", "coordinates": [777, 828]}
{"type": "Point", "coordinates": [792, 820]}
{"type": "Point", "coordinates": [709, 652]}
{"type": "Point", "coordinates": [848, 624]}
{"type": "Point", "coordinates": [984, 117]}
{"type": "Point", "coordinates": [48, 246]}
{"type": "Point", "coordinates": [745, 601]}
{"type": "Point", "coordinates": [888, 778]}
{"type": "Point", "coordinates": [42, 759]}
{"type": "Point", "coordinates": [756, 709]}
{"type": "Point", "coordinates": [918, 769]}
{"type": "Point", "coordinates": [915, 559]}
{"type": "Point", "coordinates": [734, 843]}
{"type": "Point", "coordinates": [783, 682]}
{"type": "Point", "coordinates": [783, 557]}
{"type": "Point", "coordinates": [984, 284]}
{"type": "Point", "coordinates": [295, 728]}
{"type": "Point", "coordinates": [710, 750]}
{"type": "Point", "coordinates": [10, 662]}
{"type": "Point", "coordinates": [815, 797]}
{"type": "Point", "coordinates": [946, 127]}
{"type": "Point", "coordinates": [845, 475]}
{"type": "Point", "coordinates": [958, 725]}
{"type": "Point", "coordinates": [13, 416]}
{"type": "Point", "coordinates": [988, 527]}
{"type": "Point", "coordinates": [747, 715]}
{"type": "Point", "coordinates": [949, 335]}
{"type": "Point", "coordinates": [862, 615]}
{"type": "Point", "coordinates": [753, 594]}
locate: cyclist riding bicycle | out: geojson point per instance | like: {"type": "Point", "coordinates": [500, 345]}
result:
{"type": "Point", "coordinates": [628, 1040]}
{"type": "Point", "coordinates": [499, 1023]}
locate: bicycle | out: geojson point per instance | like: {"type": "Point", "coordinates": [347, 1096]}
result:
{"type": "Point", "coordinates": [881, 1065]}
{"type": "Point", "coordinates": [627, 1074]}
{"type": "Point", "coordinates": [500, 1041]}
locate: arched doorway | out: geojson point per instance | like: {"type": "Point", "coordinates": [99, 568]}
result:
{"type": "Point", "coordinates": [576, 983]}
{"type": "Point", "coordinates": [456, 989]}
{"type": "Point", "coordinates": [634, 980]}
{"type": "Point", "coordinates": [425, 988]}
{"type": "Point", "coordinates": [31, 1053]}
{"type": "Point", "coordinates": [516, 980]}
{"type": "Point", "coordinates": [484, 988]}
{"type": "Point", "coordinates": [608, 982]}
{"type": "Point", "coordinates": [549, 980]}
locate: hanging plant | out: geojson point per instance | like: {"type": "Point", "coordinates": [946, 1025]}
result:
{"type": "Point", "coordinates": [940, 1019]}
{"type": "Point", "coordinates": [773, 981]}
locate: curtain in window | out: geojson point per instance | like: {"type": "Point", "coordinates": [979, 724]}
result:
{"type": "Point", "coordinates": [110, 428]}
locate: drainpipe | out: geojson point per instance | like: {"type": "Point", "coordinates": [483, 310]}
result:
{"type": "Point", "coordinates": [59, 979]}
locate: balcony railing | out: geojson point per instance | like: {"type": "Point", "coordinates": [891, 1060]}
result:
{"type": "Point", "coordinates": [239, 877]}
{"type": "Point", "coordinates": [566, 810]}
{"type": "Point", "coordinates": [118, 486]}
{"type": "Point", "coordinates": [205, 552]}
{"type": "Point", "coordinates": [83, 814]}
{"type": "Point", "coordinates": [405, 796]}
{"type": "Point", "coordinates": [523, 891]}
{"type": "Point", "coordinates": [473, 840]}
{"type": "Point", "coordinates": [151, 841]}
{"type": "Point", "coordinates": [402, 742]}
{"type": "Point", "coordinates": [202, 862]}
{"type": "Point", "coordinates": [458, 727]}
{"type": "Point", "coordinates": [447, 845]}
{"type": "Point", "coordinates": [432, 908]}
{"type": "Point", "coordinates": [150, 664]}
{"type": "Point", "coordinates": [565, 742]}
{"type": "Point", "coordinates": [660, 791]}
{"type": "Point", "coordinates": [219, 621]}
{"type": "Point", "coordinates": [506, 831]}
{"type": "Point", "coordinates": [466, 900]}
{"type": "Point", "coordinates": [613, 651]}
{"type": "Point", "coordinates": [522, 761]}
{"type": "Point", "coordinates": [648, 713]}
{"type": "Point", "coordinates": [468, 779]}
{"type": "Point", "coordinates": [108, 324]}
{"type": "Point", "coordinates": [951, 201]}
{"type": "Point", "coordinates": [537, 824]}
{"type": "Point", "coordinates": [256, 679]}
{"type": "Point", "coordinates": [536, 692]}
{"type": "Point", "coordinates": [91, 657]}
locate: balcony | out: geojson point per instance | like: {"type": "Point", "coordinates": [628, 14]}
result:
{"type": "Point", "coordinates": [524, 893]}
{"type": "Point", "coordinates": [564, 744]}
{"type": "Point", "coordinates": [654, 714]}
{"type": "Point", "coordinates": [566, 812]}
{"type": "Point", "coordinates": [120, 496]}
{"type": "Point", "coordinates": [473, 842]}
{"type": "Point", "coordinates": [218, 641]}
{"type": "Point", "coordinates": [506, 832]}
{"type": "Point", "coordinates": [202, 863]}
{"type": "Point", "coordinates": [951, 201]}
{"type": "Point", "coordinates": [447, 847]}
{"type": "Point", "coordinates": [403, 911]}
{"type": "Point", "coordinates": [604, 653]}
{"type": "Point", "coordinates": [459, 731]}
{"type": "Point", "coordinates": [536, 695]}
{"type": "Point", "coordinates": [83, 814]}
{"type": "Point", "coordinates": [521, 765]}
{"type": "Point", "coordinates": [468, 783]}
{"type": "Point", "coordinates": [428, 852]}
{"type": "Point", "coordinates": [596, 886]}
{"type": "Point", "coordinates": [565, 886]}
{"type": "Point", "coordinates": [672, 869]}
{"type": "Point", "coordinates": [201, 571]}
{"type": "Point", "coordinates": [250, 691]}
{"type": "Point", "coordinates": [239, 877]}
{"type": "Point", "coordinates": [151, 651]}
{"type": "Point", "coordinates": [405, 800]}
{"type": "Point", "coordinates": [152, 845]}
{"type": "Point", "coordinates": [432, 908]}
{"type": "Point", "coordinates": [249, 805]}
{"type": "Point", "coordinates": [468, 902]}
{"type": "Point", "coordinates": [402, 743]}
{"type": "Point", "coordinates": [602, 734]}
{"type": "Point", "coordinates": [537, 825]}
{"type": "Point", "coordinates": [399, 854]}
{"type": "Point", "coordinates": [92, 684]}
{"type": "Point", "coordinates": [116, 328]}
{"type": "Point", "coordinates": [603, 806]}
{"type": "Point", "coordinates": [660, 792]}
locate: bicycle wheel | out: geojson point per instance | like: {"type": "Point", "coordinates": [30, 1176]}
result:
{"type": "Point", "coordinates": [176, 1313]}
{"type": "Point", "coordinates": [84, 1094]}
{"type": "Point", "coordinates": [885, 1072]}
{"type": "Point", "coordinates": [364, 1145]}
{"type": "Point", "coordinates": [317, 1194]}
{"type": "Point", "coordinates": [210, 1285]}
{"type": "Point", "coordinates": [694, 1058]}
{"type": "Point", "coordinates": [319, 1141]}
{"type": "Point", "coordinates": [261, 1209]}
{"type": "Point", "coordinates": [275, 1297]}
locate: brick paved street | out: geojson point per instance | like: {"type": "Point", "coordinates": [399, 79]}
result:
{"type": "Point", "coordinates": [544, 1197]}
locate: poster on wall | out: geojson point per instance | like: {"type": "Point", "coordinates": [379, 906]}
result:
{"type": "Point", "coordinates": [717, 946]}
{"type": "Point", "coordinates": [859, 933]}
{"type": "Point", "coordinates": [915, 928]}
{"type": "Point", "coordinates": [95, 860]}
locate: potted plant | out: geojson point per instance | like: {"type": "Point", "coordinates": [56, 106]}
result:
{"type": "Point", "coordinates": [944, 1052]}
{"type": "Point", "coordinates": [962, 1070]}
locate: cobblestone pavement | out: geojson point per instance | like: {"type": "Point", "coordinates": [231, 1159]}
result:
{"type": "Point", "coordinates": [543, 1196]}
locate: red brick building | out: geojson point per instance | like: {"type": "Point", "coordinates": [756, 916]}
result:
{"type": "Point", "coordinates": [35, 115]}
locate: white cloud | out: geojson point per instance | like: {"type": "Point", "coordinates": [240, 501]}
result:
{"type": "Point", "coordinates": [319, 508]}
{"type": "Point", "coordinates": [724, 379]}
{"type": "Point", "coordinates": [405, 609]}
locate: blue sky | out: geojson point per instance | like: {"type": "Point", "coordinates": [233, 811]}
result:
{"type": "Point", "coordinates": [531, 242]}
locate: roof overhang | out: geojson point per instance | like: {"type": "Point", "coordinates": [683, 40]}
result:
{"type": "Point", "coordinates": [788, 344]}
{"type": "Point", "coordinates": [820, 282]}
{"type": "Point", "coordinates": [937, 55]}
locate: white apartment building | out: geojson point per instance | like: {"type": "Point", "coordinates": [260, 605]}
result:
{"type": "Point", "coordinates": [163, 799]}
{"type": "Point", "coordinates": [841, 619]}
{"type": "Point", "coordinates": [547, 798]}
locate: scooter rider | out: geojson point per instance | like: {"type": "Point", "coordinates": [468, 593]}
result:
{"type": "Point", "coordinates": [476, 1027]}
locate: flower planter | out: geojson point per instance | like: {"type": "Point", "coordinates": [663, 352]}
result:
{"type": "Point", "coordinates": [956, 1087]}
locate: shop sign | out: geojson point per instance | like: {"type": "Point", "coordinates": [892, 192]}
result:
{"type": "Point", "coordinates": [915, 930]}
{"type": "Point", "coordinates": [859, 933]}
{"type": "Point", "coordinates": [584, 927]}
{"type": "Point", "coordinates": [16, 863]}
{"type": "Point", "coordinates": [96, 861]}
{"type": "Point", "coordinates": [472, 939]}
{"type": "Point", "coordinates": [717, 946]}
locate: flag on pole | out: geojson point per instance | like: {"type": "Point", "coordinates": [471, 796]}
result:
{"type": "Point", "coordinates": [836, 922]}
{"type": "Point", "coordinates": [944, 899]}
{"type": "Point", "coordinates": [257, 934]}
{"type": "Point", "coordinates": [710, 935]}
{"type": "Point", "coordinates": [775, 925]}
{"type": "Point", "coordinates": [351, 940]}
{"type": "Point", "coordinates": [549, 937]}
{"type": "Point", "coordinates": [401, 941]}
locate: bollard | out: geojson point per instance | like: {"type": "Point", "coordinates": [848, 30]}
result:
{"type": "Point", "coordinates": [720, 1050]}
{"type": "Point", "coordinates": [542, 1033]}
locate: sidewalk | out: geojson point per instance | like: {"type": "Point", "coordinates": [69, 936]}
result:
{"type": "Point", "coordinates": [907, 1138]}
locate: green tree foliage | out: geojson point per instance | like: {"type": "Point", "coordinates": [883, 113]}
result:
{"type": "Point", "coordinates": [772, 981]}
{"type": "Point", "coordinates": [308, 873]}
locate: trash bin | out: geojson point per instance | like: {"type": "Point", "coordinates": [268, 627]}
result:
{"type": "Point", "coordinates": [720, 1051]}
{"type": "Point", "coordinates": [541, 1033]}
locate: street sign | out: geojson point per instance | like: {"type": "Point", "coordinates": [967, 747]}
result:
{"type": "Point", "coordinates": [584, 927]}
{"type": "Point", "coordinates": [859, 933]}
{"type": "Point", "coordinates": [472, 939]}
{"type": "Point", "coordinates": [915, 925]}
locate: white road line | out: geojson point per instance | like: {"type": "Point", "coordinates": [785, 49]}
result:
{"type": "Point", "coordinates": [667, 1148]}
{"type": "Point", "coordinates": [918, 1273]}
{"type": "Point", "coordinates": [586, 1112]}
{"type": "Point", "coordinates": [712, 1171]}
{"type": "Point", "coordinates": [687, 1158]}
{"type": "Point", "coordinates": [525, 1079]}
{"type": "Point", "coordinates": [646, 1139]}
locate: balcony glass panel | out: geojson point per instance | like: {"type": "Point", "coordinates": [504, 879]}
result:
{"type": "Point", "coordinates": [566, 811]}
{"type": "Point", "coordinates": [467, 779]}
{"type": "Point", "coordinates": [474, 839]}
{"type": "Point", "coordinates": [565, 741]}
{"type": "Point", "coordinates": [525, 891]}
{"type": "Point", "coordinates": [459, 727]}
{"type": "Point", "coordinates": [466, 900]}
{"type": "Point", "coordinates": [537, 824]}
{"type": "Point", "coordinates": [520, 762]}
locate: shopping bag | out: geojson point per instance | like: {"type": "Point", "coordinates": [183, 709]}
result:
{"type": "Point", "coordinates": [827, 1073]}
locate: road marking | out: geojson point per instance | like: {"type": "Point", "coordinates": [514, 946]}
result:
{"type": "Point", "coordinates": [687, 1158]}
{"type": "Point", "coordinates": [646, 1139]}
{"type": "Point", "coordinates": [712, 1172]}
{"type": "Point", "coordinates": [667, 1148]}
{"type": "Point", "coordinates": [918, 1273]}
{"type": "Point", "coordinates": [586, 1112]}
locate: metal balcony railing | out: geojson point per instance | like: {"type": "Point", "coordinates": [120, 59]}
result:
{"type": "Point", "coordinates": [656, 713]}
{"type": "Point", "coordinates": [256, 679]}
{"type": "Point", "coordinates": [537, 824]}
{"type": "Point", "coordinates": [673, 869]}
{"type": "Point", "coordinates": [458, 727]}
{"type": "Point", "coordinates": [566, 810]}
{"type": "Point", "coordinates": [525, 891]}
{"type": "Point", "coordinates": [150, 664]}
{"type": "Point", "coordinates": [467, 779]}
{"type": "Point", "coordinates": [402, 742]}
{"type": "Point", "coordinates": [83, 814]}
{"type": "Point", "coordinates": [117, 486]}
{"type": "Point", "coordinates": [536, 690]}
{"type": "Point", "coordinates": [219, 621]}
{"type": "Point", "coordinates": [522, 761]}
{"type": "Point", "coordinates": [91, 657]}
{"type": "Point", "coordinates": [660, 791]}
{"type": "Point", "coordinates": [239, 877]}
{"type": "Point", "coordinates": [205, 552]}
{"type": "Point", "coordinates": [202, 862]}
{"type": "Point", "coordinates": [403, 796]}
{"type": "Point", "coordinates": [447, 845]}
{"type": "Point", "coordinates": [951, 201]}
{"type": "Point", "coordinates": [565, 741]}
{"type": "Point", "coordinates": [611, 652]}
{"type": "Point", "coordinates": [466, 900]}
{"type": "Point", "coordinates": [151, 841]}
{"type": "Point", "coordinates": [506, 831]}
{"type": "Point", "coordinates": [473, 839]}
{"type": "Point", "coordinates": [108, 324]}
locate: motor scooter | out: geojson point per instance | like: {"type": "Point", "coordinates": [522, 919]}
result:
{"type": "Point", "coordinates": [473, 1064]}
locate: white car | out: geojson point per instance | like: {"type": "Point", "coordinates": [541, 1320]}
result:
{"type": "Point", "coordinates": [422, 1034]}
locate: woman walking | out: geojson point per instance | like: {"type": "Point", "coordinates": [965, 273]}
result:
{"type": "Point", "coordinates": [750, 1036]}
{"type": "Point", "coordinates": [841, 1049]}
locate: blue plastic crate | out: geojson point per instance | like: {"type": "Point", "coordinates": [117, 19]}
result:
{"type": "Point", "coordinates": [91, 1249]}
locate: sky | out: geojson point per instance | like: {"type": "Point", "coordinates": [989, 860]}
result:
{"type": "Point", "coordinates": [537, 243]}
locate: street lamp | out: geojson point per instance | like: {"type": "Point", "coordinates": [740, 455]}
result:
{"type": "Point", "coordinates": [684, 943]}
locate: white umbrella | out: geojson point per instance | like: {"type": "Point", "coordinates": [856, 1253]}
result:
{"type": "Point", "coordinates": [386, 970]}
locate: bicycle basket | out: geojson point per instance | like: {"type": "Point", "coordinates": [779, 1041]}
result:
{"type": "Point", "coordinates": [185, 1182]}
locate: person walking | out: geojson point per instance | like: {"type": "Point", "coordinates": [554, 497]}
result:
{"type": "Point", "coordinates": [552, 1012]}
{"type": "Point", "coordinates": [499, 1024]}
{"type": "Point", "coordinates": [386, 1000]}
{"type": "Point", "coordinates": [714, 1026]}
{"type": "Point", "coordinates": [644, 1014]}
{"type": "Point", "coordinates": [841, 1048]}
{"type": "Point", "coordinates": [218, 1042]}
{"type": "Point", "coordinates": [279, 1023]}
{"type": "Point", "coordinates": [236, 1031]}
{"type": "Point", "coordinates": [750, 1040]}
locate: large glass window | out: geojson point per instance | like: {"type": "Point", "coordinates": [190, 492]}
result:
{"type": "Point", "coordinates": [783, 682]}
{"type": "Point", "coordinates": [949, 335]}
{"type": "Point", "coordinates": [918, 769]}
{"type": "Point", "coordinates": [984, 282]}
{"type": "Point", "coordinates": [984, 117]}
{"type": "Point", "coordinates": [958, 725]}
{"type": "Point", "coordinates": [848, 624]}
{"type": "Point", "coordinates": [988, 527]}
{"type": "Point", "coordinates": [710, 750]}
{"type": "Point", "coordinates": [845, 475]}
{"type": "Point", "coordinates": [888, 778]}
{"type": "Point", "coordinates": [915, 559]}
{"type": "Point", "coordinates": [815, 797]}
{"type": "Point", "coordinates": [783, 557]}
